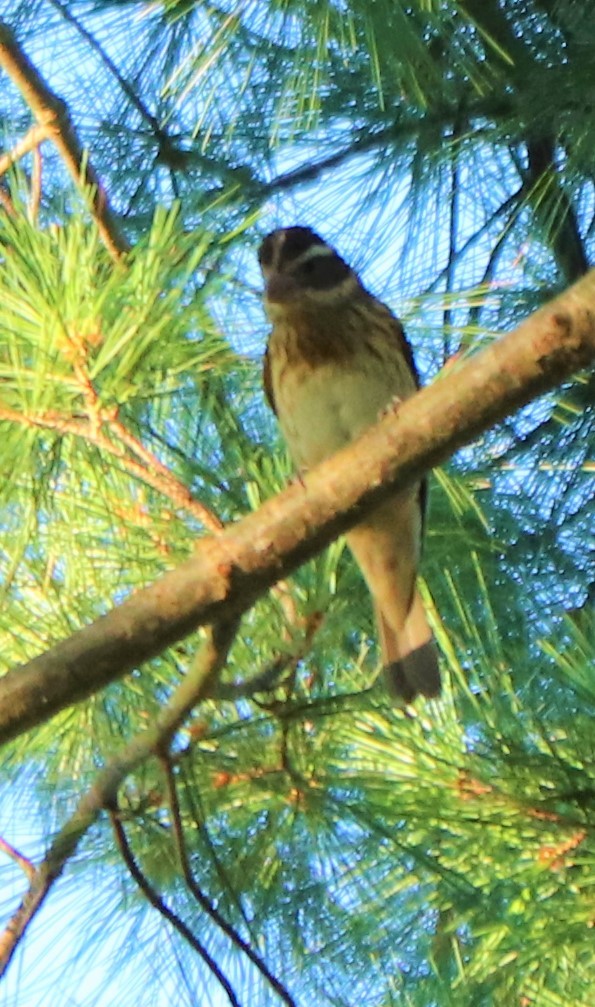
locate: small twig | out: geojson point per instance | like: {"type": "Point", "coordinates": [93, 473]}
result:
{"type": "Point", "coordinates": [268, 678]}
{"type": "Point", "coordinates": [400, 131]}
{"type": "Point", "coordinates": [153, 472]}
{"type": "Point", "coordinates": [155, 899]}
{"type": "Point", "coordinates": [495, 254]}
{"type": "Point", "coordinates": [196, 810]}
{"type": "Point", "coordinates": [209, 660]}
{"type": "Point", "coordinates": [128, 90]}
{"type": "Point", "coordinates": [453, 227]}
{"type": "Point", "coordinates": [204, 902]}
{"type": "Point", "coordinates": [35, 196]}
{"type": "Point", "coordinates": [6, 202]}
{"type": "Point", "coordinates": [263, 681]}
{"type": "Point", "coordinates": [177, 491]}
{"type": "Point", "coordinates": [509, 206]}
{"type": "Point", "coordinates": [168, 151]}
{"type": "Point", "coordinates": [24, 863]}
{"type": "Point", "coordinates": [53, 116]}
{"type": "Point", "coordinates": [31, 141]}
{"type": "Point", "coordinates": [46, 421]}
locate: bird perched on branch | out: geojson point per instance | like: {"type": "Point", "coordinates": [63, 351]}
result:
{"type": "Point", "coordinates": [336, 359]}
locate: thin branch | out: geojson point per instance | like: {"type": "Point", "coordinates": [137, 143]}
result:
{"type": "Point", "coordinates": [198, 816]}
{"type": "Point", "coordinates": [551, 205]}
{"type": "Point", "coordinates": [31, 141]}
{"type": "Point", "coordinates": [156, 473]}
{"type": "Point", "coordinates": [127, 88]}
{"type": "Point", "coordinates": [175, 489]}
{"type": "Point", "coordinates": [156, 900]}
{"type": "Point", "coordinates": [404, 129]}
{"type": "Point", "coordinates": [24, 863]}
{"type": "Point", "coordinates": [228, 572]}
{"type": "Point", "coordinates": [169, 153]}
{"type": "Point", "coordinates": [204, 902]}
{"type": "Point", "coordinates": [209, 660]}
{"type": "Point", "coordinates": [263, 681]}
{"type": "Point", "coordinates": [6, 202]}
{"type": "Point", "coordinates": [35, 194]}
{"type": "Point", "coordinates": [453, 227]}
{"type": "Point", "coordinates": [509, 204]}
{"type": "Point", "coordinates": [152, 472]}
{"type": "Point", "coordinates": [553, 208]}
{"type": "Point", "coordinates": [51, 113]}
{"type": "Point", "coordinates": [496, 252]}
{"type": "Point", "coordinates": [269, 677]}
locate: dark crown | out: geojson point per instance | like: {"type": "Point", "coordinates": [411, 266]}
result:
{"type": "Point", "coordinates": [296, 241]}
{"type": "Point", "coordinates": [313, 264]}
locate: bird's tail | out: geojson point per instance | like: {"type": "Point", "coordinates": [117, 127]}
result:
{"type": "Point", "coordinates": [386, 546]}
{"type": "Point", "coordinates": [410, 657]}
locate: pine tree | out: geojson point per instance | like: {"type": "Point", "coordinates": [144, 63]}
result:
{"type": "Point", "coordinates": [297, 840]}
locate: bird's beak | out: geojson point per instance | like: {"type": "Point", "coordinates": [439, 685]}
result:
{"type": "Point", "coordinates": [280, 288]}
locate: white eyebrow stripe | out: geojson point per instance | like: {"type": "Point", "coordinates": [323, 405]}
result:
{"type": "Point", "coordinates": [278, 242]}
{"type": "Point", "coordinates": [314, 252]}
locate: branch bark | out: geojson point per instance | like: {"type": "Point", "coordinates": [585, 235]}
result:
{"type": "Point", "coordinates": [52, 115]}
{"type": "Point", "coordinates": [228, 572]}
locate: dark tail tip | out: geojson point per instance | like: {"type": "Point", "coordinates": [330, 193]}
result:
{"type": "Point", "coordinates": [416, 673]}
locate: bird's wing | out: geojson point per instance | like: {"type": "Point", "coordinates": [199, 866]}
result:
{"type": "Point", "coordinates": [405, 347]}
{"type": "Point", "coordinates": [267, 381]}
{"type": "Point", "coordinates": [404, 344]}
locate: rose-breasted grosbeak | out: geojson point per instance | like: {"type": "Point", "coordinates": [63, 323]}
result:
{"type": "Point", "coordinates": [336, 359]}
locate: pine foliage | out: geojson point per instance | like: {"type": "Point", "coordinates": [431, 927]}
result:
{"type": "Point", "coordinates": [436, 856]}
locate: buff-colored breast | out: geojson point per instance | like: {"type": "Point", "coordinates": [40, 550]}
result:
{"type": "Point", "coordinates": [330, 383]}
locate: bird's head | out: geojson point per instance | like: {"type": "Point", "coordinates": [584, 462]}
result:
{"type": "Point", "coordinates": [303, 274]}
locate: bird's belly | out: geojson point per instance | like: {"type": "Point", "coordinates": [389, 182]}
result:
{"type": "Point", "coordinates": [322, 409]}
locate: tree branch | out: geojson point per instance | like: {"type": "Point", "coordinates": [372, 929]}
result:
{"type": "Point", "coordinates": [204, 902]}
{"type": "Point", "coordinates": [443, 117]}
{"type": "Point", "coordinates": [52, 114]}
{"type": "Point", "coordinates": [149, 469]}
{"type": "Point", "coordinates": [161, 478]}
{"type": "Point", "coordinates": [550, 203]}
{"type": "Point", "coordinates": [453, 229]}
{"type": "Point", "coordinates": [35, 188]}
{"type": "Point", "coordinates": [156, 900]}
{"type": "Point", "coordinates": [209, 660]}
{"type": "Point", "coordinates": [553, 208]}
{"type": "Point", "coordinates": [23, 862]}
{"type": "Point", "coordinates": [228, 572]}
{"type": "Point", "coordinates": [6, 202]}
{"type": "Point", "coordinates": [509, 206]}
{"type": "Point", "coordinates": [35, 136]}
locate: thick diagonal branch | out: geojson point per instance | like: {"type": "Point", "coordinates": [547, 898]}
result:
{"type": "Point", "coordinates": [51, 113]}
{"type": "Point", "coordinates": [229, 572]}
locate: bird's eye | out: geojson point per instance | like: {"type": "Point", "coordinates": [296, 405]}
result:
{"type": "Point", "coordinates": [308, 267]}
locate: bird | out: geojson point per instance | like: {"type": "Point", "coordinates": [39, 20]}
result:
{"type": "Point", "coordinates": [336, 359]}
